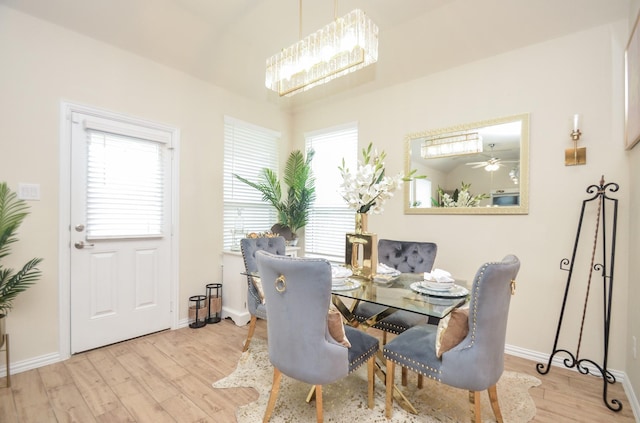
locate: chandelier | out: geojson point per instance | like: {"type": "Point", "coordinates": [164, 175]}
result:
{"type": "Point", "coordinates": [345, 45]}
{"type": "Point", "coordinates": [451, 145]}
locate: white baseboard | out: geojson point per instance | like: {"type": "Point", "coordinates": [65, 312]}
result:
{"type": "Point", "coordinates": [30, 364]}
{"type": "Point", "coordinates": [558, 361]}
{"type": "Point", "coordinates": [240, 318]}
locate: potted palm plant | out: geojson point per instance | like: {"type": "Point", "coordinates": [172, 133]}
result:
{"type": "Point", "coordinates": [12, 212]}
{"type": "Point", "coordinates": [293, 208]}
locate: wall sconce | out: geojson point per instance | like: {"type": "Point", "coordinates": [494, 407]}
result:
{"type": "Point", "coordinates": [576, 155]}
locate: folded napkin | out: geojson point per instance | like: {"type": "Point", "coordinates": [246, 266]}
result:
{"type": "Point", "coordinates": [438, 275]}
{"type": "Point", "coordinates": [340, 272]}
{"type": "Point", "coordinates": [383, 269]}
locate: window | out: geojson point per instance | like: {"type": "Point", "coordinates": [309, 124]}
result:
{"type": "Point", "coordinates": [125, 185]}
{"type": "Point", "coordinates": [247, 150]}
{"type": "Point", "coordinates": [330, 218]}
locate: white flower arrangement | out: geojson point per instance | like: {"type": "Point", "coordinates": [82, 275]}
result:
{"type": "Point", "coordinates": [459, 198]}
{"type": "Point", "coordinates": [368, 188]}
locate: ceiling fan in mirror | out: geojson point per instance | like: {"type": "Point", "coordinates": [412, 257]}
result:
{"type": "Point", "coordinates": [492, 164]}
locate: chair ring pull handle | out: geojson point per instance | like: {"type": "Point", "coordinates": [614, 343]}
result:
{"type": "Point", "coordinates": [513, 287]}
{"type": "Point", "coordinates": [281, 284]}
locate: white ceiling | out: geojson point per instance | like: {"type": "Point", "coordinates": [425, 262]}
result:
{"type": "Point", "coordinates": [226, 42]}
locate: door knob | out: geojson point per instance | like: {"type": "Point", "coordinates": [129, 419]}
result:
{"type": "Point", "coordinates": [80, 245]}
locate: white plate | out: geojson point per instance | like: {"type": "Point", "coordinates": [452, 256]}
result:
{"type": "Point", "coordinates": [347, 286]}
{"type": "Point", "coordinates": [437, 286]}
{"type": "Point", "coordinates": [338, 281]}
{"type": "Point", "coordinates": [455, 292]}
{"type": "Point", "coordinates": [382, 278]}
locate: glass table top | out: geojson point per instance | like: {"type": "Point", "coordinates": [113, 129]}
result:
{"type": "Point", "coordinates": [404, 293]}
{"type": "Point", "coordinates": [398, 293]}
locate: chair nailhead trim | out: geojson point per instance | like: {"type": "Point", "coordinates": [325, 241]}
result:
{"type": "Point", "coordinates": [385, 326]}
{"type": "Point", "coordinates": [415, 366]}
{"type": "Point", "coordinates": [359, 361]}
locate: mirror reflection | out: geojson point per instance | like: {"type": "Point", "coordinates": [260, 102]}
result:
{"type": "Point", "coordinates": [475, 168]}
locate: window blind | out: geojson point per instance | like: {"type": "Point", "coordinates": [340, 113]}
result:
{"type": "Point", "coordinates": [330, 218]}
{"type": "Point", "coordinates": [125, 186]}
{"type": "Point", "coordinates": [247, 150]}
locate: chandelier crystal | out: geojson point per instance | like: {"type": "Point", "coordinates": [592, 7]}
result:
{"type": "Point", "coordinates": [345, 45]}
{"type": "Point", "coordinates": [451, 145]}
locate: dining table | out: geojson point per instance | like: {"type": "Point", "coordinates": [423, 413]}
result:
{"type": "Point", "coordinates": [403, 291]}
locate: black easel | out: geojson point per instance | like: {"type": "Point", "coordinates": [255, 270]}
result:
{"type": "Point", "coordinates": [600, 199]}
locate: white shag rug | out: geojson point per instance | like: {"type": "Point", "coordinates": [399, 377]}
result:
{"type": "Point", "coordinates": [346, 400]}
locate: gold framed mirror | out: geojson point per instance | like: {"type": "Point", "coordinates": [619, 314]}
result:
{"type": "Point", "coordinates": [474, 168]}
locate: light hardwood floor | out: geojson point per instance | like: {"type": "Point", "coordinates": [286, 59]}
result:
{"type": "Point", "coordinates": [166, 377]}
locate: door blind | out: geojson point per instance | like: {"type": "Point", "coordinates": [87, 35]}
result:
{"type": "Point", "coordinates": [125, 186]}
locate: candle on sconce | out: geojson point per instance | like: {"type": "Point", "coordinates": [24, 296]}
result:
{"type": "Point", "coordinates": [576, 155]}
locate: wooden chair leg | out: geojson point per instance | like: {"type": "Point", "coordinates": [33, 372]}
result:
{"type": "Point", "coordinates": [388, 406]}
{"type": "Point", "coordinates": [403, 373]}
{"type": "Point", "coordinates": [384, 338]}
{"type": "Point", "coordinates": [275, 387]}
{"type": "Point", "coordinates": [370, 380]}
{"type": "Point", "coordinates": [252, 328]}
{"type": "Point", "coordinates": [420, 381]}
{"type": "Point", "coordinates": [474, 401]}
{"type": "Point", "coordinates": [495, 406]}
{"type": "Point", "coordinates": [319, 415]}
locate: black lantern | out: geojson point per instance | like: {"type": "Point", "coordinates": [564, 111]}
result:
{"type": "Point", "coordinates": [197, 311]}
{"type": "Point", "coordinates": [214, 302]}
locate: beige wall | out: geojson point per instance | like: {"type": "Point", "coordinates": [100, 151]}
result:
{"type": "Point", "coordinates": [44, 64]}
{"type": "Point", "coordinates": [580, 73]}
{"type": "Point", "coordinates": [633, 364]}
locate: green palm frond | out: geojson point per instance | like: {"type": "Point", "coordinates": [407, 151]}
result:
{"type": "Point", "coordinates": [12, 284]}
{"type": "Point", "coordinates": [12, 212]}
{"type": "Point", "coordinates": [293, 211]}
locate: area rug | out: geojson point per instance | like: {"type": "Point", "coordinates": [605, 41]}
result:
{"type": "Point", "coordinates": [346, 400]}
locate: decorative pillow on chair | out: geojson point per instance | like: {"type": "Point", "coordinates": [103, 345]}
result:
{"type": "Point", "coordinates": [257, 284]}
{"type": "Point", "coordinates": [452, 329]}
{"type": "Point", "coordinates": [336, 327]}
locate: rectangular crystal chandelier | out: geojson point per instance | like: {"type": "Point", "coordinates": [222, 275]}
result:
{"type": "Point", "coordinates": [451, 145]}
{"type": "Point", "coordinates": [345, 45]}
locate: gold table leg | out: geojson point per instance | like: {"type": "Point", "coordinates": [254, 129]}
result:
{"type": "Point", "coordinates": [403, 401]}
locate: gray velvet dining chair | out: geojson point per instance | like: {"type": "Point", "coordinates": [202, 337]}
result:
{"type": "Point", "coordinates": [477, 361]}
{"type": "Point", "coordinates": [255, 300]}
{"type": "Point", "coordinates": [298, 295]}
{"type": "Point", "coordinates": [406, 257]}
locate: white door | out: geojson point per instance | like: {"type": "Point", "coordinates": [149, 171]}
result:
{"type": "Point", "coordinates": [120, 231]}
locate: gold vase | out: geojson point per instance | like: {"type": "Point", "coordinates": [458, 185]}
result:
{"type": "Point", "coordinates": [361, 250]}
{"type": "Point", "coordinates": [362, 223]}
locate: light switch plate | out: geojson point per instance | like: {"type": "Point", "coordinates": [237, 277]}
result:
{"type": "Point", "coordinates": [29, 191]}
